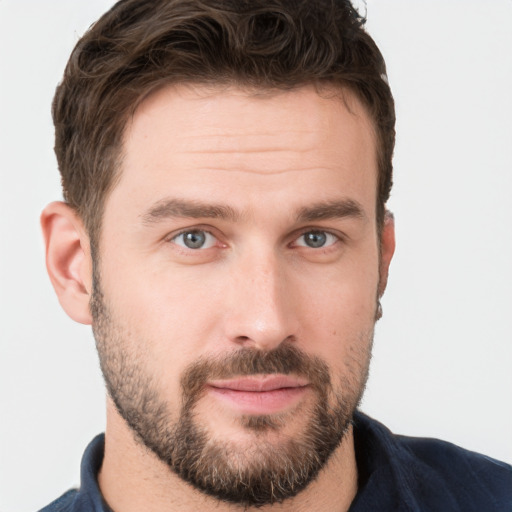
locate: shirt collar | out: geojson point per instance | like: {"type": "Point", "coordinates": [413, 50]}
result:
{"type": "Point", "coordinates": [89, 496]}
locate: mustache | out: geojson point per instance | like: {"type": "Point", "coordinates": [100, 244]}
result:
{"type": "Point", "coordinates": [285, 359]}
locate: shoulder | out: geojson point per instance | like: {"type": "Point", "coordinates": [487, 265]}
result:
{"type": "Point", "coordinates": [430, 473]}
{"type": "Point", "coordinates": [62, 504]}
{"type": "Point", "coordinates": [438, 453]}
{"type": "Point", "coordinates": [467, 475]}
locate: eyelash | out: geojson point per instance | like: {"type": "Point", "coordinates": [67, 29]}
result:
{"type": "Point", "coordinates": [302, 233]}
{"type": "Point", "coordinates": [327, 234]}
{"type": "Point", "coordinates": [190, 231]}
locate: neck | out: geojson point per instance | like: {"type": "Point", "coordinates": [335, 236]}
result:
{"type": "Point", "coordinates": [132, 478]}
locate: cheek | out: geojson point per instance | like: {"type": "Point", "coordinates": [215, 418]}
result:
{"type": "Point", "coordinates": [343, 334]}
{"type": "Point", "coordinates": [345, 293]}
{"type": "Point", "coordinates": [168, 314]}
{"type": "Point", "coordinates": [339, 312]}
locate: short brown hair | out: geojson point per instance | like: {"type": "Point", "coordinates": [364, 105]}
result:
{"type": "Point", "coordinates": [139, 46]}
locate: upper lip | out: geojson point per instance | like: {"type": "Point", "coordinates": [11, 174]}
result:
{"type": "Point", "coordinates": [259, 383]}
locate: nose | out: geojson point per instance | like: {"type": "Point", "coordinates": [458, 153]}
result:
{"type": "Point", "coordinates": [260, 310]}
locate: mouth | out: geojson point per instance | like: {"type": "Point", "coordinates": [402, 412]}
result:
{"type": "Point", "coordinates": [260, 394]}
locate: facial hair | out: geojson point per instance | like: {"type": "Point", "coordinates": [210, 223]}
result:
{"type": "Point", "coordinates": [264, 473]}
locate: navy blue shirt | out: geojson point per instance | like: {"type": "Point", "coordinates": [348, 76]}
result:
{"type": "Point", "coordinates": [396, 474]}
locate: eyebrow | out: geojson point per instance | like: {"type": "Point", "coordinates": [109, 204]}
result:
{"type": "Point", "coordinates": [181, 208]}
{"type": "Point", "coordinates": [331, 210]}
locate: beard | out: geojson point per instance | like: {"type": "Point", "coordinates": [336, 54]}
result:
{"type": "Point", "coordinates": [264, 472]}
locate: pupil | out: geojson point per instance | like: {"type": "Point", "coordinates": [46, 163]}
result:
{"type": "Point", "coordinates": [316, 239]}
{"type": "Point", "coordinates": [194, 239]}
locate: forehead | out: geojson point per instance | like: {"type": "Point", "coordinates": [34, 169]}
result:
{"type": "Point", "coordinates": [199, 141]}
{"type": "Point", "coordinates": [195, 115]}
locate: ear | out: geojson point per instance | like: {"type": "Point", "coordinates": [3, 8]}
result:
{"type": "Point", "coordinates": [68, 259]}
{"type": "Point", "coordinates": [387, 249]}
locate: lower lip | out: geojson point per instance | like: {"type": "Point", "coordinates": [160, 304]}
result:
{"type": "Point", "coordinates": [260, 402]}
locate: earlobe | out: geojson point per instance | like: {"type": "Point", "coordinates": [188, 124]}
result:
{"type": "Point", "coordinates": [68, 259]}
{"type": "Point", "coordinates": [387, 249]}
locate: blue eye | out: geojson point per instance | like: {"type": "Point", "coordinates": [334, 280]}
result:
{"type": "Point", "coordinates": [316, 239]}
{"type": "Point", "coordinates": [195, 239]}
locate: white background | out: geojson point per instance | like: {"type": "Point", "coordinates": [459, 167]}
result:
{"type": "Point", "coordinates": [443, 354]}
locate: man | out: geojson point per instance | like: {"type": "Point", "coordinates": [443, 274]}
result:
{"type": "Point", "coordinates": [226, 167]}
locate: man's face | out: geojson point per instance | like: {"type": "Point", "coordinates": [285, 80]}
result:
{"type": "Point", "coordinates": [237, 283]}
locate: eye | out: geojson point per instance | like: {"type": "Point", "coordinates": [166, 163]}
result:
{"type": "Point", "coordinates": [316, 239]}
{"type": "Point", "coordinates": [195, 239]}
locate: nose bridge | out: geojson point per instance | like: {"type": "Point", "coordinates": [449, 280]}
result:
{"type": "Point", "coordinates": [260, 310]}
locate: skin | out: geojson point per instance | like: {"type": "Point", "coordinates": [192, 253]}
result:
{"type": "Point", "coordinates": [257, 284]}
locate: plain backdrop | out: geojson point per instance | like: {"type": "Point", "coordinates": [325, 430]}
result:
{"type": "Point", "coordinates": [443, 353]}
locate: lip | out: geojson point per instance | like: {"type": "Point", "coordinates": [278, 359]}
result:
{"type": "Point", "coordinates": [260, 394]}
